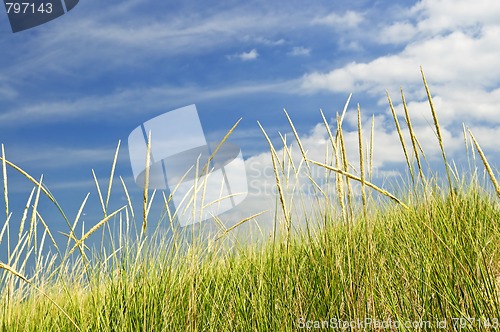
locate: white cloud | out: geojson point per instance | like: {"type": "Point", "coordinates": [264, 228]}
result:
{"type": "Point", "coordinates": [458, 56]}
{"type": "Point", "coordinates": [456, 43]}
{"type": "Point", "coordinates": [246, 56]}
{"type": "Point", "coordinates": [397, 33]}
{"type": "Point", "coordinates": [447, 15]}
{"type": "Point", "coordinates": [349, 19]}
{"type": "Point", "coordinates": [300, 51]}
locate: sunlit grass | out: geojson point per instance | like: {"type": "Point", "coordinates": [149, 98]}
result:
{"type": "Point", "coordinates": [425, 250]}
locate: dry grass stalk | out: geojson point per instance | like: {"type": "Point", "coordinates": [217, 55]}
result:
{"type": "Point", "coordinates": [345, 166]}
{"type": "Point", "coordinates": [355, 178]}
{"type": "Point", "coordinates": [339, 159]}
{"type": "Point", "coordinates": [346, 105]}
{"type": "Point", "coordinates": [4, 228]}
{"type": "Point", "coordinates": [5, 186]}
{"type": "Point", "coordinates": [71, 235]}
{"type": "Point", "coordinates": [6, 200]}
{"type": "Point", "coordinates": [274, 157]}
{"type": "Point", "coordinates": [37, 184]}
{"type": "Point", "coordinates": [33, 223]}
{"type": "Point", "coordinates": [303, 152]}
{"type": "Point", "coordinates": [466, 143]}
{"type": "Point", "coordinates": [129, 202]}
{"type": "Point", "coordinates": [184, 200]}
{"type": "Point", "coordinates": [112, 175]}
{"type": "Point", "coordinates": [339, 178]}
{"type": "Point", "coordinates": [204, 172]}
{"type": "Point", "coordinates": [401, 138]}
{"type": "Point", "coordinates": [145, 195]}
{"type": "Point", "coordinates": [288, 163]}
{"type": "Point", "coordinates": [413, 137]}
{"type": "Point", "coordinates": [438, 131]}
{"type": "Point", "coordinates": [241, 222]}
{"type": "Point", "coordinates": [93, 229]}
{"type": "Point", "coordinates": [194, 196]}
{"type": "Point", "coordinates": [224, 139]}
{"type": "Point", "coordinates": [361, 163]}
{"type": "Point", "coordinates": [486, 164]}
{"type": "Point", "coordinates": [48, 232]}
{"type": "Point", "coordinates": [330, 136]}
{"type": "Point", "coordinates": [101, 200]}
{"type": "Point", "coordinates": [25, 214]}
{"type": "Point", "coordinates": [30, 178]}
{"type": "Point", "coordinates": [170, 218]}
{"type": "Point", "coordinates": [299, 143]}
{"type": "Point", "coordinates": [370, 156]}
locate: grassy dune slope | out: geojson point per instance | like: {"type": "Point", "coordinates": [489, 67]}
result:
{"type": "Point", "coordinates": [425, 258]}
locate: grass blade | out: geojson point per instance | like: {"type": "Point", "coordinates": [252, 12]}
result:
{"type": "Point", "coordinates": [112, 175]}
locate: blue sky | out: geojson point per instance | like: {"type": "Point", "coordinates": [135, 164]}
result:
{"type": "Point", "coordinates": [71, 88]}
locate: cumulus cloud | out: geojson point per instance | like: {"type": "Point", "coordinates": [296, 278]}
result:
{"type": "Point", "coordinates": [456, 43]}
{"type": "Point", "coordinates": [446, 57]}
{"type": "Point", "coordinates": [447, 15]}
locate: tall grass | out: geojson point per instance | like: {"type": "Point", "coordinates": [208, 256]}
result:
{"type": "Point", "coordinates": [419, 254]}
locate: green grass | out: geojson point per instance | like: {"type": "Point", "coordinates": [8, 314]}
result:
{"type": "Point", "coordinates": [416, 252]}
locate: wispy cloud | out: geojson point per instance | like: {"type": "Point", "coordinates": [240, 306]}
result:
{"type": "Point", "coordinates": [266, 41]}
{"type": "Point", "coordinates": [349, 19]}
{"type": "Point", "coordinates": [300, 51]}
{"type": "Point", "coordinates": [59, 157]}
{"type": "Point", "coordinates": [121, 104]}
{"type": "Point", "coordinates": [245, 56]}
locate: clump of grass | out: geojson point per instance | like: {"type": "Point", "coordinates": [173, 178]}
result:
{"type": "Point", "coordinates": [391, 257]}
